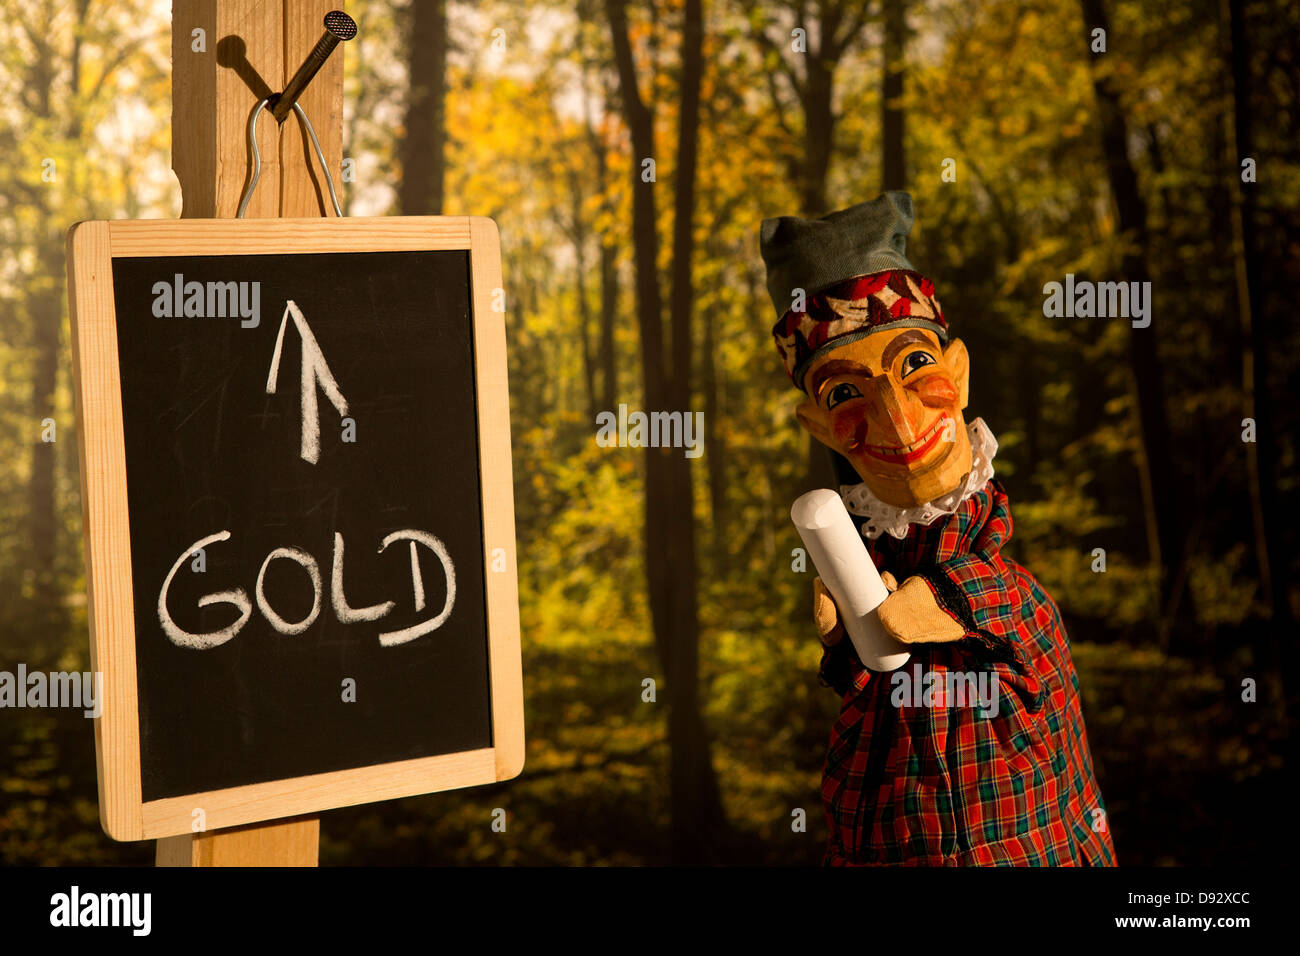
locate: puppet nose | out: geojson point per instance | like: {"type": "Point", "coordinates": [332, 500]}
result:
{"type": "Point", "coordinates": [887, 410]}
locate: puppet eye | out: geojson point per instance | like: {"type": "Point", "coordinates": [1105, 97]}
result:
{"type": "Point", "coordinates": [916, 360]}
{"type": "Point", "coordinates": [842, 393]}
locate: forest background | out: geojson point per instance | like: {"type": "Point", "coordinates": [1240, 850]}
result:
{"type": "Point", "coordinates": [1165, 149]}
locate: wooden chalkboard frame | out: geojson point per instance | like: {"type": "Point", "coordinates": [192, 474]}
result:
{"type": "Point", "coordinates": [92, 246]}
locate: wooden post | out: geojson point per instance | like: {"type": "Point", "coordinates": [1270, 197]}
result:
{"type": "Point", "coordinates": [293, 842]}
{"type": "Point", "coordinates": [248, 50]}
{"type": "Point", "coordinates": [252, 47]}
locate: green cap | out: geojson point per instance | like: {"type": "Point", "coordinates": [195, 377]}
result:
{"type": "Point", "coordinates": [815, 254]}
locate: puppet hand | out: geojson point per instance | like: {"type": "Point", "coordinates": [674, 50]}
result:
{"type": "Point", "coordinates": [829, 627]}
{"type": "Point", "coordinates": [912, 615]}
{"type": "Point", "coordinates": [825, 615]}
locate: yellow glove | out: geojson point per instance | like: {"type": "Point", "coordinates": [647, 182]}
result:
{"type": "Point", "coordinates": [911, 614]}
{"type": "Point", "coordinates": [826, 616]}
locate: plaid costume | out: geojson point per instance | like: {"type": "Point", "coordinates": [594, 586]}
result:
{"type": "Point", "coordinates": [943, 785]}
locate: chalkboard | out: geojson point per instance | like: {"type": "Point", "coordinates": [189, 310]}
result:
{"type": "Point", "coordinates": [297, 477]}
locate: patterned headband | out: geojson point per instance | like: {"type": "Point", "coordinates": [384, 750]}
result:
{"type": "Point", "coordinates": [850, 310]}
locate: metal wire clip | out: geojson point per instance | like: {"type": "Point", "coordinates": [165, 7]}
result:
{"type": "Point", "coordinates": [257, 157]}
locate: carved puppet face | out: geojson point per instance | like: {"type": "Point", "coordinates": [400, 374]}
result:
{"type": "Point", "coordinates": [891, 403]}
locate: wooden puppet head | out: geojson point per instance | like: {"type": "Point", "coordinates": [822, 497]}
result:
{"type": "Point", "coordinates": [861, 333]}
{"type": "Point", "coordinates": [891, 403]}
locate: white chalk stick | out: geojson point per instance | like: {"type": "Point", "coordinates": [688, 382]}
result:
{"type": "Point", "coordinates": [845, 567]}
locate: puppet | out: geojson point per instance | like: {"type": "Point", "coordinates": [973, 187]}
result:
{"type": "Point", "coordinates": [921, 768]}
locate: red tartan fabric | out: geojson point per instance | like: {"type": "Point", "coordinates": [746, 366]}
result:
{"type": "Point", "coordinates": [942, 785]}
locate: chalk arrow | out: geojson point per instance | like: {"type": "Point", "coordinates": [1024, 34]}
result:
{"type": "Point", "coordinates": [315, 372]}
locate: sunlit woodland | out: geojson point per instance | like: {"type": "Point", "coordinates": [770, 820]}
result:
{"type": "Point", "coordinates": [1171, 155]}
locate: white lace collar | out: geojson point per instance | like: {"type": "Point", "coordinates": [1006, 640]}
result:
{"type": "Point", "coordinates": [882, 517]}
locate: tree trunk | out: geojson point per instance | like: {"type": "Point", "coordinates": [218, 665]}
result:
{"type": "Point", "coordinates": [1279, 651]}
{"type": "Point", "coordinates": [46, 309]}
{"type": "Point", "coordinates": [819, 133]}
{"type": "Point", "coordinates": [609, 285]}
{"type": "Point", "coordinates": [1262, 454]}
{"type": "Point", "coordinates": [694, 782]}
{"type": "Point", "coordinates": [838, 26]}
{"type": "Point", "coordinates": [714, 448]}
{"type": "Point", "coordinates": [1165, 496]}
{"type": "Point", "coordinates": [579, 236]}
{"type": "Point", "coordinates": [423, 162]}
{"type": "Point", "coordinates": [891, 95]}
{"type": "Point", "coordinates": [697, 817]}
{"type": "Point", "coordinates": [608, 317]}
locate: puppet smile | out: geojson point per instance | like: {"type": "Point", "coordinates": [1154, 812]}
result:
{"type": "Point", "coordinates": [905, 454]}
